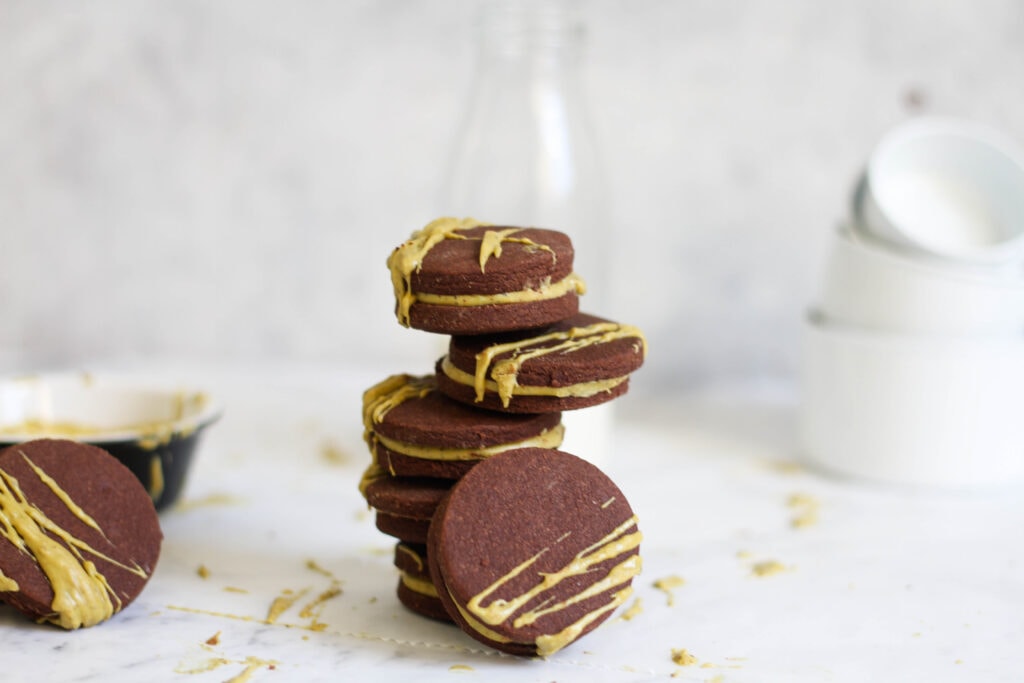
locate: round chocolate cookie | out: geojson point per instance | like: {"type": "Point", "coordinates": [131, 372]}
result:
{"type": "Point", "coordinates": [579, 362]}
{"type": "Point", "coordinates": [415, 588]}
{"type": "Point", "coordinates": [413, 430]}
{"type": "Point", "coordinates": [79, 536]}
{"type": "Point", "coordinates": [405, 505]}
{"type": "Point", "coordinates": [532, 549]}
{"type": "Point", "coordinates": [464, 277]}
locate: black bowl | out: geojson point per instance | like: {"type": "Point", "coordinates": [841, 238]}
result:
{"type": "Point", "coordinates": [154, 432]}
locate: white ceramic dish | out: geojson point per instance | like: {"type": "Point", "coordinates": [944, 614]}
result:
{"type": "Point", "coordinates": [866, 285]}
{"type": "Point", "coordinates": [153, 430]}
{"type": "Point", "coordinates": [950, 188]}
{"type": "Point", "coordinates": [926, 411]}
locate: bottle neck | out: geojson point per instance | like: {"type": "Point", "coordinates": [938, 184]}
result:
{"type": "Point", "coordinates": [547, 35]}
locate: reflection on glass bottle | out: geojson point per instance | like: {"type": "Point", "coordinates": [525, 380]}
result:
{"type": "Point", "coordinates": [526, 155]}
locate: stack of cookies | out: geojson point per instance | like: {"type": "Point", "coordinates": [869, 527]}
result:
{"type": "Point", "coordinates": [523, 546]}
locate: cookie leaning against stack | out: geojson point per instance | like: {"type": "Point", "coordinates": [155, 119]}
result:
{"type": "Point", "coordinates": [466, 471]}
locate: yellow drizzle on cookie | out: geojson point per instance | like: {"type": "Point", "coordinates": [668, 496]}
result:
{"type": "Point", "coordinates": [82, 595]}
{"type": "Point", "coordinates": [492, 240]}
{"type": "Point", "coordinates": [384, 396]}
{"type": "Point", "coordinates": [380, 399]}
{"type": "Point", "coordinates": [407, 259]}
{"type": "Point", "coordinates": [506, 371]}
{"type": "Point", "coordinates": [7, 584]}
{"type": "Point", "coordinates": [620, 541]}
{"type": "Point", "coordinates": [156, 477]}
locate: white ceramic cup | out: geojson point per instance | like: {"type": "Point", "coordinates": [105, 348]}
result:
{"type": "Point", "coordinates": [867, 285]}
{"type": "Point", "coordinates": [925, 411]}
{"type": "Point", "coordinates": [948, 188]}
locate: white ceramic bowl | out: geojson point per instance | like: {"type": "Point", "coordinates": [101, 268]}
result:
{"type": "Point", "coordinates": [926, 411]}
{"type": "Point", "coordinates": [866, 285]}
{"type": "Point", "coordinates": [950, 188]}
{"type": "Point", "coordinates": [153, 430]}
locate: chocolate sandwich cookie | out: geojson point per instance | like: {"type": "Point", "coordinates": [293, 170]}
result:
{"type": "Point", "coordinates": [579, 362]}
{"type": "Point", "coordinates": [413, 430]}
{"type": "Point", "coordinates": [532, 549]}
{"type": "Point", "coordinates": [460, 276]}
{"type": "Point", "coordinates": [405, 505]}
{"type": "Point", "coordinates": [415, 587]}
{"type": "Point", "coordinates": [79, 536]}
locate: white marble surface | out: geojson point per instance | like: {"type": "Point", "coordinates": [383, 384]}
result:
{"type": "Point", "coordinates": [880, 584]}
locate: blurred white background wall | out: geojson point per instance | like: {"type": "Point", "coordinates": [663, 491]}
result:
{"type": "Point", "coordinates": [212, 180]}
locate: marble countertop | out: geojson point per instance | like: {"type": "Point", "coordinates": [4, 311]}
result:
{"type": "Point", "coordinates": [755, 569]}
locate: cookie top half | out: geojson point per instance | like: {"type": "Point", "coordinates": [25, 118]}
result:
{"type": "Point", "coordinates": [532, 549]}
{"type": "Point", "coordinates": [79, 536]}
{"type": "Point", "coordinates": [460, 276]}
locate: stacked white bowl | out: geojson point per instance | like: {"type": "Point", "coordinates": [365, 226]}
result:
{"type": "Point", "coordinates": [913, 358]}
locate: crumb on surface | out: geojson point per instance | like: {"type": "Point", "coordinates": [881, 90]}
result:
{"type": "Point", "coordinates": [805, 508]}
{"type": "Point", "coordinates": [768, 568]}
{"type": "Point", "coordinates": [333, 454]}
{"type": "Point", "coordinates": [668, 584]}
{"type": "Point", "coordinates": [211, 500]}
{"type": "Point", "coordinates": [203, 572]}
{"type": "Point", "coordinates": [785, 466]}
{"type": "Point", "coordinates": [682, 657]}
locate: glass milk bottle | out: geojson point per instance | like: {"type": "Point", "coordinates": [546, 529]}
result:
{"type": "Point", "coordinates": [525, 155]}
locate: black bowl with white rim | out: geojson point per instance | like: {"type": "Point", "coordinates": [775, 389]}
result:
{"type": "Point", "coordinates": [153, 429]}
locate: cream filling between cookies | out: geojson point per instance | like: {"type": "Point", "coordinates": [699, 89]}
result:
{"type": "Point", "coordinates": [542, 292]}
{"type": "Point", "coordinates": [418, 585]}
{"type": "Point", "coordinates": [81, 594]}
{"type": "Point", "coordinates": [617, 543]}
{"type": "Point", "coordinates": [406, 550]}
{"type": "Point", "coordinates": [549, 438]}
{"type": "Point", "coordinates": [506, 392]}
